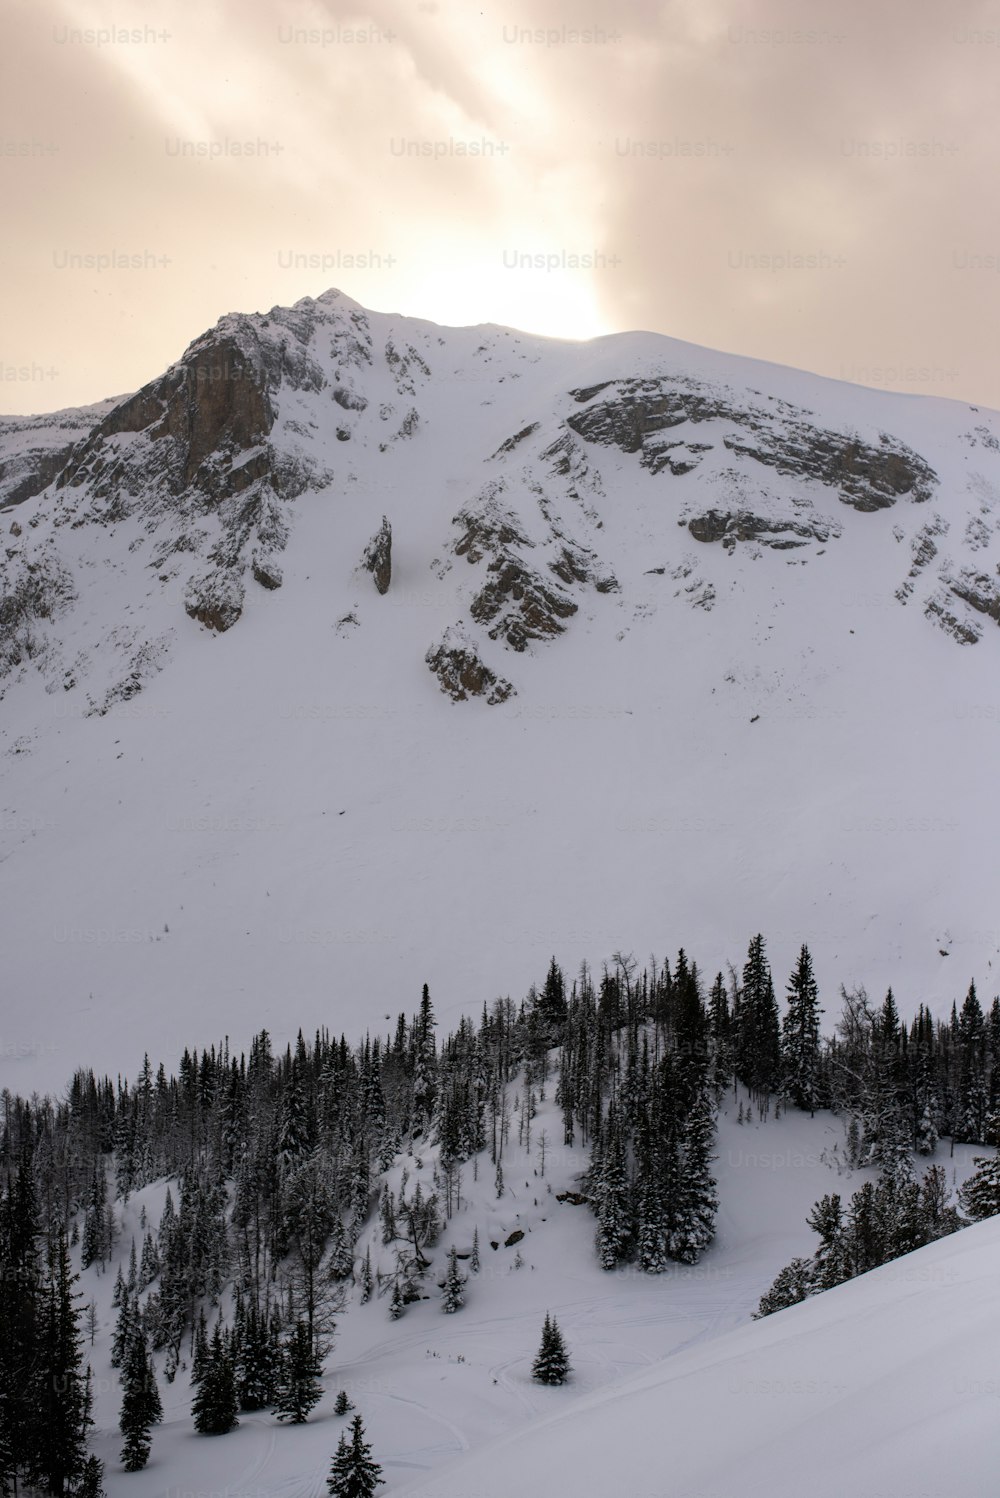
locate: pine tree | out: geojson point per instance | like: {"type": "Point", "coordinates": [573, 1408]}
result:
{"type": "Point", "coordinates": [126, 1327]}
{"type": "Point", "coordinates": [697, 1203]}
{"type": "Point", "coordinates": [474, 1257]}
{"type": "Point", "coordinates": [20, 1319]}
{"type": "Point", "coordinates": [343, 1405]}
{"type": "Point", "coordinates": [831, 1262]}
{"type": "Point", "coordinates": [387, 1216]}
{"type": "Point", "coordinates": [62, 1391]}
{"type": "Point", "coordinates": [118, 1291]}
{"type": "Point", "coordinates": [353, 1473]}
{"type": "Point", "coordinates": [367, 1279]}
{"type": "Point", "coordinates": [257, 1361]}
{"type": "Point", "coordinates": [454, 1284]}
{"type": "Point", "coordinates": [141, 1407]}
{"type": "Point", "coordinates": [149, 1266]}
{"type": "Point", "coordinates": [980, 1196]}
{"type": "Point", "coordinates": [794, 1283]}
{"type": "Point", "coordinates": [757, 1030]}
{"type": "Point", "coordinates": [613, 1197]}
{"type": "Point", "coordinates": [653, 1232]}
{"type": "Point", "coordinates": [800, 1036]}
{"type": "Point", "coordinates": [397, 1305]}
{"type": "Point", "coordinates": [551, 1366]}
{"type": "Point", "coordinates": [299, 1387]}
{"type": "Point", "coordinates": [91, 1484]}
{"type": "Point", "coordinates": [214, 1403]}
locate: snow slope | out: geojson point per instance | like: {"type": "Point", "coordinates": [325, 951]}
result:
{"type": "Point", "coordinates": [290, 823]}
{"type": "Point", "coordinates": [671, 1380]}
{"type": "Point", "coordinates": [887, 1384]}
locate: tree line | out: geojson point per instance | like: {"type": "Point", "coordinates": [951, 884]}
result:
{"type": "Point", "coordinates": [276, 1160]}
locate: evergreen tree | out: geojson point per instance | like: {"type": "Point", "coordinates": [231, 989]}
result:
{"type": "Point", "coordinates": [149, 1266]}
{"type": "Point", "coordinates": [454, 1284]}
{"type": "Point", "coordinates": [257, 1360]}
{"type": "Point", "coordinates": [91, 1484]}
{"type": "Point", "coordinates": [794, 1283]}
{"type": "Point", "coordinates": [425, 1062]}
{"type": "Point", "coordinates": [20, 1320]}
{"type": "Point", "coordinates": [118, 1290]}
{"type": "Point", "coordinates": [474, 1257]}
{"type": "Point", "coordinates": [552, 1007]}
{"type": "Point", "coordinates": [397, 1305]}
{"type": "Point", "coordinates": [800, 1036]}
{"type": "Point", "coordinates": [299, 1387]}
{"type": "Point", "coordinates": [654, 1227]}
{"type": "Point", "coordinates": [831, 1263]}
{"type": "Point", "coordinates": [126, 1328]}
{"type": "Point", "coordinates": [612, 1197]}
{"type": "Point", "coordinates": [694, 1218]}
{"type": "Point", "coordinates": [214, 1404]}
{"type": "Point", "coordinates": [141, 1407]}
{"type": "Point", "coordinates": [62, 1389]}
{"type": "Point", "coordinates": [343, 1405]}
{"type": "Point", "coordinates": [367, 1279]}
{"type": "Point", "coordinates": [353, 1473]}
{"type": "Point", "coordinates": [387, 1216]}
{"type": "Point", "coordinates": [551, 1366]}
{"type": "Point", "coordinates": [980, 1196]}
{"type": "Point", "coordinates": [757, 1031]}
{"type": "Point", "coordinates": [973, 1091]}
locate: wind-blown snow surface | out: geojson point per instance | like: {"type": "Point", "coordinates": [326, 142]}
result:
{"type": "Point", "coordinates": [885, 1385]}
{"type": "Point", "coordinates": [291, 824]}
{"type": "Point", "coordinates": [673, 1392]}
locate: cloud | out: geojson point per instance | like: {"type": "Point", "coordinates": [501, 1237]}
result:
{"type": "Point", "coordinates": [811, 187]}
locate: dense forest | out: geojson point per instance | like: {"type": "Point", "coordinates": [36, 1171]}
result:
{"type": "Point", "coordinates": [276, 1160]}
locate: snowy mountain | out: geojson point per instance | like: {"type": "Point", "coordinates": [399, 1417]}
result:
{"type": "Point", "coordinates": [654, 644]}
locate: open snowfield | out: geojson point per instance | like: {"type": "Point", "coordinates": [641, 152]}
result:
{"type": "Point", "coordinates": [673, 1392]}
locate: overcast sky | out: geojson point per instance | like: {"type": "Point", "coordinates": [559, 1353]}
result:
{"type": "Point", "coordinates": [812, 184]}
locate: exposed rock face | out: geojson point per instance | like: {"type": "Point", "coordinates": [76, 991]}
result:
{"type": "Point", "coordinates": [461, 673]}
{"type": "Point", "coordinates": [487, 526]}
{"type": "Point", "coordinates": [519, 605]}
{"type": "Point", "coordinates": [215, 600]}
{"type": "Point", "coordinates": [267, 572]}
{"type": "Point", "coordinates": [213, 405]}
{"type": "Point", "coordinates": [35, 449]}
{"type": "Point", "coordinates": [378, 556]}
{"type": "Point", "coordinates": [979, 591]}
{"type": "Point", "coordinates": [779, 435]}
{"type": "Point", "coordinates": [937, 609]}
{"type": "Point", "coordinates": [779, 533]}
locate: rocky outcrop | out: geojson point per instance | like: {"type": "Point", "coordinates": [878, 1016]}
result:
{"type": "Point", "coordinates": [35, 449]}
{"type": "Point", "coordinates": [938, 609]}
{"type": "Point", "coordinates": [487, 526]}
{"type": "Point", "coordinates": [978, 590]}
{"type": "Point", "coordinates": [378, 556]}
{"type": "Point", "coordinates": [462, 674]}
{"type": "Point", "coordinates": [780, 533]}
{"type": "Point", "coordinates": [779, 436]}
{"type": "Point", "coordinates": [201, 420]}
{"type": "Point", "coordinates": [519, 605]}
{"type": "Point", "coordinates": [267, 572]}
{"type": "Point", "coordinates": [578, 564]}
{"type": "Point", "coordinates": [215, 599]}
